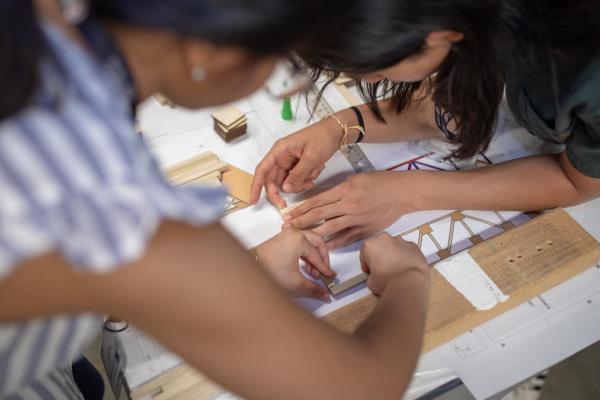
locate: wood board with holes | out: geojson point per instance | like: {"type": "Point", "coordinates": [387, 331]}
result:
{"type": "Point", "coordinates": [523, 262]}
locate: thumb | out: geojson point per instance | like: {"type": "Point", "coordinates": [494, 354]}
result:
{"type": "Point", "coordinates": [311, 289]}
{"type": "Point", "coordinates": [364, 266]}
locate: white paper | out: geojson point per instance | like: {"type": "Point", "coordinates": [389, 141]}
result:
{"type": "Point", "coordinates": [466, 276]}
{"type": "Point", "coordinates": [253, 225]}
{"type": "Point", "coordinates": [529, 338]}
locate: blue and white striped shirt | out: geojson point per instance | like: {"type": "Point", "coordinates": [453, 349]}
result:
{"type": "Point", "coordinates": [76, 179]}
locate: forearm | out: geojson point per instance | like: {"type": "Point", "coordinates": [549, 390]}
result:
{"type": "Point", "coordinates": [531, 183]}
{"type": "Point", "coordinates": [245, 319]}
{"type": "Point", "coordinates": [415, 122]}
{"type": "Point", "coordinates": [201, 295]}
{"type": "Point", "coordinates": [397, 341]}
{"type": "Point", "coordinates": [410, 124]}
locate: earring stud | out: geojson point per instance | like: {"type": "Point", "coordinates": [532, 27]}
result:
{"type": "Point", "coordinates": [198, 74]}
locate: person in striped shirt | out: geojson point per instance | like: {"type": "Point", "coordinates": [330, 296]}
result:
{"type": "Point", "coordinates": [89, 226]}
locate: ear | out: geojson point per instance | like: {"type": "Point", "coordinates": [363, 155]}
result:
{"type": "Point", "coordinates": [195, 53]}
{"type": "Point", "coordinates": [214, 59]}
{"type": "Point", "coordinates": [443, 38]}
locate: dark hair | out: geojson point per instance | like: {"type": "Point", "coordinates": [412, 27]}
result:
{"type": "Point", "coordinates": [469, 83]}
{"type": "Point", "coordinates": [20, 47]}
{"type": "Point", "coordinates": [259, 26]}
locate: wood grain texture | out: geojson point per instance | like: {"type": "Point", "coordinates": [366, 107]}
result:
{"type": "Point", "coordinates": [523, 262]}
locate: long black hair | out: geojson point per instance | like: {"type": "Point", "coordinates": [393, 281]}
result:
{"type": "Point", "coordinates": [469, 84]}
{"type": "Point", "coordinates": [259, 26]}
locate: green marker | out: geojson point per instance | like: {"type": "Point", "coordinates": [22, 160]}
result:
{"type": "Point", "coordinates": [286, 110]}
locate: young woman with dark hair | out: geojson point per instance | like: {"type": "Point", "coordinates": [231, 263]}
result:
{"type": "Point", "coordinates": [438, 69]}
{"type": "Point", "coordinates": [89, 226]}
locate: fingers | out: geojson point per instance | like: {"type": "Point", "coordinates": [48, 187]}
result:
{"type": "Point", "coordinates": [301, 172]}
{"type": "Point", "coordinates": [260, 176]}
{"type": "Point", "coordinates": [273, 185]}
{"type": "Point", "coordinates": [320, 245]}
{"type": "Point", "coordinates": [334, 226]}
{"type": "Point", "coordinates": [311, 289]}
{"type": "Point", "coordinates": [346, 238]}
{"type": "Point", "coordinates": [364, 263]}
{"type": "Point", "coordinates": [310, 270]}
{"type": "Point", "coordinates": [312, 255]}
{"type": "Point", "coordinates": [317, 215]}
{"type": "Point", "coordinates": [322, 199]}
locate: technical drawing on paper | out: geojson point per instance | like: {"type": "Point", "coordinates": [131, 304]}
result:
{"type": "Point", "coordinates": [532, 318]}
{"type": "Point", "coordinates": [454, 231]}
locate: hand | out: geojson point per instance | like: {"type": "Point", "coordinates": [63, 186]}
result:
{"type": "Point", "coordinates": [360, 207]}
{"type": "Point", "coordinates": [296, 161]}
{"type": "Point", "coordinates": [384, 257]}
{"type": "Point", "coordinates": [280, 256]}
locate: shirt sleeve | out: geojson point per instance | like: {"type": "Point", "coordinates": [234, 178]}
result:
{"type": "Point", "coordinates": [99, 230]}
{"type": "Point", "coordinates": [583, 148]}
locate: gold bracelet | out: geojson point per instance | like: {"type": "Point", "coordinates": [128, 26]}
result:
{"type": "Point", "coordinates": [345, 128]}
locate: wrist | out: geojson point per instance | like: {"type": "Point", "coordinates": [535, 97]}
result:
{"type": "Point", "coordinates": [348, 117]}
{"type": "Point", "coordinates": [417, 277]}
{"type": "Point", "coordinates": [334, 128]}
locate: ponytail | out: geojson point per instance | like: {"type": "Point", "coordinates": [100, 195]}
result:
{"type": "Point", "coordinates": [20, 50]}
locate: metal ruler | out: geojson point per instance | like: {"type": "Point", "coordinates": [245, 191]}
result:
{"type": "Point", "coordinates": [353, 153]}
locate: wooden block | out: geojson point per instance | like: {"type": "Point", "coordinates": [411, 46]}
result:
{"type": "Point", "coordinates": [229, 135]}
{"type": "Point", "coordinates": [507, 226]}
{"type": "Point", "coordinates": [336, 289]}
{"type": "Point", "coordinates": [425, 229]}
{"type": "Point", "coordinates": [228, 116]}
{"type": "Point", "coordinates": [567, 250]}
{"type": "Point", "coordinates": [457, 216]}
{"type": "Point", "coordinates": [476, 239]}
{"type": "Point", "coordinates": [241, 122]}
{"type": "Point", "coordinates": [443, 254]}
{"type": "Point", "coordinates": [238, 183]}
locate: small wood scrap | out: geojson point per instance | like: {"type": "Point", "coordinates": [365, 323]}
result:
{"type": "Point", "coordinates": [164, 101]}
{"type": "Point", "coordinates": [205, 169]}
{"type": "Point", "coordinates": [229, 123]}
{"type": "Point", "coordinates": [345, 80]}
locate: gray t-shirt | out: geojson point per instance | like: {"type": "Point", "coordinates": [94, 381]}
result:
{"type": "Point", "coordinates": [571, 118]}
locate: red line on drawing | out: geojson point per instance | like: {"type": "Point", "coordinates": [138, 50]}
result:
{"type": "Point", "coordinates": [403, 163]}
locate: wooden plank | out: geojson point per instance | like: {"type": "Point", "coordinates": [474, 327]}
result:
{"type": "Point", "coordinates": [337, 288]}
{"type": "Point", "coordinates": [238, 183]}
{"type": "Point", "coordinates": [199, 170]}
{"type": "Point", "coordinates": [572, 251]}
{"type": "Point", "coordinates": [184, 165]}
